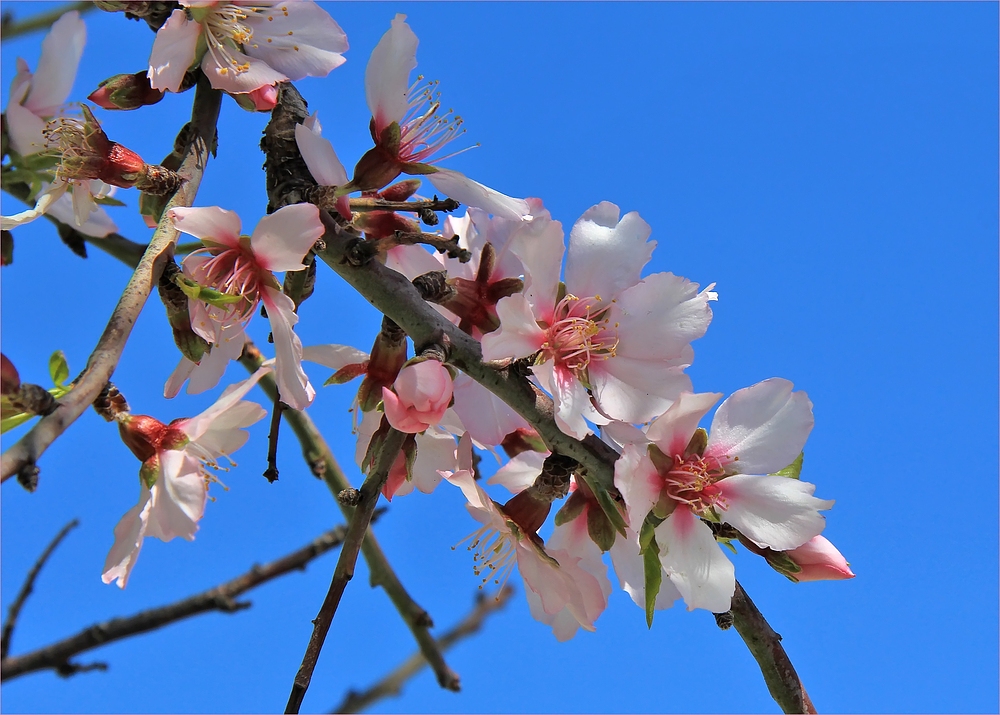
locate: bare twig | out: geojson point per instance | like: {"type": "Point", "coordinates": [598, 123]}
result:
{"type": "Point", "coordinates": [26, 589]}
{"type": "Point", "coordinates": [344, 571]}
{"type": "Point", "coordinates": [271, 473]}
{"type": "Point", "coordinates": [10, 28]}
{"type": "Point", "coordinates": [392, 684]}
{"type": "Point", "coordinates": [108, 351]}
{"type": "Point", "coordinates": [765, 645]}
{"type": "Point", "coordinates": [221, 598]}
{"type": "Point", "coordinates": [366, 204]}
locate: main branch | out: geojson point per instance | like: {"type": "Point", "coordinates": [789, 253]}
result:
{"type": "Point", "coordinates": [103, 360]}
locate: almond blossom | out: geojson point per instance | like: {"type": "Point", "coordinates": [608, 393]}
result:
{"type": "Point", "coordinates": [609, 345]}
{"type": "Point", "coordinates": [173, 478]}
{"type": "Point", "coordinates": [728, 477]}
{"type": "Point", "coordinates": [34, 100]}
{"type": "Point", "coordinates": [562, 591]}
{"type": "Point", "coordinates": [245, 46]}
{"type": "Point", "coordinates": [419, 397]}
{"type": "Point", "coordinates": [241, 269]}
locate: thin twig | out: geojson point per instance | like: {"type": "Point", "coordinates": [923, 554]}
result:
{"type": "Point", "coordinates": [366, 204]}
{"type": "Point", "coordinates": [782, 681]}
{"type": "Point", "coordinates": [392, 684]}
{"type": "Point", "coordinates": [29, 584]}
{"type": "Point", "coordinates": [344, 571]}
{"type": "Point", "coordinates": [108, 351]}
{"type": "Point", "coordinates": [10, 28]}
{"type": "Point", "coordinates": [221, 598]}
{"type": "Point", "coordinates": [271, 473]}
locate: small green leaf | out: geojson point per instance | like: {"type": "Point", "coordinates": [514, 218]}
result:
{"type": "Point", "coordinates": [793, 470]}
{"type": "Point", "coordinates": [653, 574]}
{"type": "Point", "coordinates": [600, 529]}
{"type": "Point", "coordinates": [571, 508]}
{"type": "Point", "coordinates": [109, 201]}
{"type": "Point", "coordinates": [13, 421]}
{"type": "Point", "coordinates": [728, 543]}
{"type": "Point", "coordinates": [58, 368]}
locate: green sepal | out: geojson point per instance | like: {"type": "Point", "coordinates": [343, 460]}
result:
{"type": "Point", "coordinates": [149, 471]}
{"type": "Point", "coordinates": [415, 167]}
{"type": "Point", "coordinates": [699, 440]}
{"type": "Point", "coordinates": [651, 567]}
{"type": "Point", "coordinates": [410, 454]}
{"type": "Point", "coordinates": [389, 139]}
{"type": "Point", "coordinates": [661, 462]}
{"type": "Point", "coordinates": [58, 368]}
{"type": "Point", "coordinates": [793, 470]}
{"type": "Point", "coordinates": [600, 529]}
{"type": "Point", "coordinates": [571, 509]}
{"type": "Point", "coordinates": [109, 201]}
{"type": "Point", "coordinates": [196, 291]}
{"type": "Point", "coordinates": [728, 543]}
{"type": "Point", "coordinates": [783, 564]}
{"type": "Point", "coordinates": [607, 503]}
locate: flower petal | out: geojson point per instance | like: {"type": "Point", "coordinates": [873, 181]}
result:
{"type": "Point", "coordinates": [628, 565]}
{"type": "Point", "coordinates": [178, 497]}
{"type": "Point", "coordinates": [695, 563]}
{"type": "Point", "coordinates": [282, 240]}
{"type": "Point", "coordinates": [173, 51]}
{"type": "Point", "coordinates": [471, 193]}
{"type": "Point", "coordinates": [765, 425]}
{"type": "Point", "coordinates": [253, 74]}
{"type": "Point", "coordinates": [639, 483]}
{"type": "Point", "coordinates": [61, 52]}
{"type": "Point", "coordinates": [98, 223]}
{"type": "Point", "coordinates": [673, 430]}
{"type": "Point", "coordinates": [211, 223]}
{"type": "Point", "coordinates": [318, 154]}
{"type": "Point", "coordinates": [334, 356]}
{"type": "Point", "coordinates": [293, 383]}
{"type": "Point", "coordinates": [302, 41]}
{"type": "Point", "coordinates": [606, 255]}
{"type": "Point", "coordinates": [519, 334]}
{"type": "Point", "coordinates": [24, 129]}
{"type": "Point", "coordinates": [520, 472]}
{"type": "Point", "coordinates": [129, 533]}
{"type": "Point", "coordinates": [487, 418]}
{"type": "Point", "coordinates": [775, 512]}
{"type": "Point", "coordinates": [387, 77]}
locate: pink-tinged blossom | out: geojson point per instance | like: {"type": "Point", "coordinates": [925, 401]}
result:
{"type": "Point", "coordinates": [242, 268]}
{"type": "Point", "coordinates": [756, 432]}
{"type": "Point", "coordinates": [409, 131]}
{"type": "Point", "coordinates": [34, 100]}
{"type": "Point", "coordinates": [246, 46]}
{"type": "Point", "coordinates": [612, 346]}
{"type": "Point", "coordinates": [419, 397]}
{"type": "Point", "coordinates": [173, 480]}
{"type": "Point", "coordinates": [820, 561]}
{"type": "Point", "coordinates": [563, 591]}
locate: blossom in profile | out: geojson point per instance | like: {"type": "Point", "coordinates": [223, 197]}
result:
{"type": "Point", "coordinates": [609, 345]}
{"type": "Point", "coordinates": [819, 560]}
{"type": "Point", "coordinates": [233, 274]}
{"type": "Point", "coordinates": [243, 47]}
{"type": "Point", "coordinates": [173, 479]}
{"type": "Point", "coordinates": [419, 397]}
{"type": "Point", "coordinates": [729, 476]}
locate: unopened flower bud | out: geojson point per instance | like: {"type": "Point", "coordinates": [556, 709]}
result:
{"type": "Point", "coordinates": [819, 560]}
{"type": "Point", "coordinates": [125, 91]}
{"type": "Point", "coordinates": [141, 433]}
{"type": "Point", "coordinates": [419, 397]}
{"type": "Point", "coordinates": [387, 357]}
{"type": "Point", "coordinates": [523, 440]}
{"type": "Point", "coordinates": [10, 381]}
{"type": "Point", "coordinates": [400, 191]}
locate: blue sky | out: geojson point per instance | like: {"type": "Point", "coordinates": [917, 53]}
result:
{"type": "Point", "coordinates": [832, 167]}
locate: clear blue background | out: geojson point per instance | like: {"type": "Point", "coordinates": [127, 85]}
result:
{"type": "Point", "coordinates": [832, 167]}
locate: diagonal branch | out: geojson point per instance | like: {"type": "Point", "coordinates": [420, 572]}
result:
{"type": "Point", "coordinates": [101, 365]}
{"type": "Point", "coordinates": [344, 572]}
{"type": "Point", "coordinates": [221, 598]}
{"type": "Point", "coordinates": [392, 684]}
{"type": "Point", "coordinates": [28, 587]}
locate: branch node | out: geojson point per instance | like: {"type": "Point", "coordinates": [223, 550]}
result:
{"type": "Point", "coordinates": [27, 476]}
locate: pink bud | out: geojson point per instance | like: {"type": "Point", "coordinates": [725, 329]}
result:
{"type": "Point", "coordinates": [420, 396]}
{"type": "Point", "coordinates": [265, 98]}
{"type": "Point", "coordinates": [820, 561]}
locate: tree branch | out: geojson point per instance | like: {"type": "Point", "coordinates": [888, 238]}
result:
{"type": "Point", "coordinates": [392, 684]}
{"type": "Point", "coordinates": [221, 598]}
{"type": "Point", "coordinates": [28, 587]}
{"type": "Point", "coordinates": [344, 572]}
{"type": "Point", "coordinates": [321, 461]}
{"type": "Point", "coordinates": [108, 351]}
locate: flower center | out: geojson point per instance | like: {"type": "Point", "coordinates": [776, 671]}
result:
{"type": "Point", "coordinates": [494, 554]}
{"type": "Point", "coordinates": [692, 481]}
{"type": "Point", "coordinates": [580, 333]}
{"type": "Point", "coordinates": [234, 272]}
{"type": "Point", "coordinates": [422, 130]}
{"type": "Point", "coordinates": [226, 31]}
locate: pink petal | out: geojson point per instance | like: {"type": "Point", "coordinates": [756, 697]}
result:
{"type": "Point", "coordinates": [98, 223]}
{"type": "Point", "coordinates": [572, 402]}
{"type": "Point", "coordinates": [487, 418]}
{"type": "Point", "coordinates": [24, 129]}
{"type": "Point", "coordinates": [400, 415]}
{"type": "Point", "coordinates": [538, 244]}
{"type": "Point", "coordinates": [820, 561]}
{"type": "Point", "coordinates": [639, 483]}
{"type": "Point", "coordinates": [520, 472]}
{"type": "Point", "coordinates": [765, 425]}
{"type": "Point", "coordinates": [228, 413]}
{"type": "Point", "coordinates": [318, 154]}
{"type": "Point", "coordinates": [472, 193]}
{"type": "Point", "coordinates": [519, 334]}
{"type": "Point", "coordinates": [387, 77]}
{"type": "Point", "coordinates": [606, 255]}
{"type": "Point", "coordinates": [173, 51]}
{"type": "Point", "coordinates": [282, 240]}
{"type": "Point", "coordinates": [334, 356]}
{"type": "Point", "coordinates": [129, 533]}
{"type": "Point", "coordinates": [293, 383]}
{"type": "Point", "coordinates": [61, 51]}
{"type": "Point", "coordinates": [628, 565]}
{"type": "Point", "coordinates": [673, 430]}
{"type": "Point", "coordinates": [212, 224]}
{"type": "Point", "coordinates": [636, 398]}
{"type": "Point", "coordinates": [695, 563]}
{"type": "Point", "coordinates": [254, 75]}
{"type": "Point", "coordinates": [775, 512]}
{"type": "Point", "coordinates": [302, 42]}
{"type": "Point", "coordinates": [178, 497]}
{"type": "Point", "coordinates": [177, 378]}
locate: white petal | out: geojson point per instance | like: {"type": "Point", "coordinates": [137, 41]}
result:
{"type": "Point", "coordinates": [129, 533]}
{"type": "Point", "coordinates": [334, 356]}
{"type": "Point", "coordinates": [571, 401]}
{"type": "Point", "coordinates": [293, 383]}
{"type": "Point", "coordinates": [24, 130]}
{"type": "Point", "coordinates": [673, 430]}
{"type": "Point", "coordinates": [282, 239]}
{"type": "Point", "coordinates": [436, 452]}
{"type": "Point", "coordinates": [61, 51]}
{"type": "Point", "coordinates": [319, 155]}
{"type": "Point", "coordinates": [695, 563]}
{"type": "Point", "coordinates": [43, 203]}
{"type": "Point", "coordinates": [635, 399]}
{"type": "Point", "coordinates": [765, 426]}
{"type": "Point", "coordinates": [83, 202]}
{"type": "Point", "coordinates": [486, 417]}
{"type": "Point", "coordinates": [519, 334]}
{"type": "Point", "coordinates": [538, 244]}
{"type": "Point", "coordinates": [606, 255]}
{"type": "Point", "coordinates": [472, 193]}
{"type": "Point", "coordinates": [178, 496]}
{"type": "Point", "coordinates": [520, 472]}
{"type": "Point", "coordinates": [387, 76]}
{"type": "Point", "coordinates": [254, 75]}
{"type": "Point", "coordinates": [210, 223]}
{"type": "Point", "coordinates": [639, 483]}
{"type": "Point", "coordinates": [302, 42]}
{"type": "Point", "coordinates": [98, 224]}
{"type": "Point", "coordinates": [659, 317]}
{"type": "Point", "coordinates": [196, 427]}
{"type": "Point", "coordinates": [628, 565]}
{"type": "Point", "coordinates": [776, 512]}
{"type": "Point", "coordinates": [173, 51]}
{"type": "Point", "coordinates": [177, 378]}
